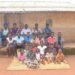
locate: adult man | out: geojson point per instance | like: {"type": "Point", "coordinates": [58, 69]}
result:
{"type": "Point", "coordinates": [25, 30]}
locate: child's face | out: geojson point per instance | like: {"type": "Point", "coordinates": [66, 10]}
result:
{"type": "Point", "coordinates": [38, 51]}
{"type": "Point", "coordinates": [51, 46]}
{"type": "Point", "coordinates": [27, 47]}
{"type": "Point", "coordinates": [60, 51]}
{"type": "Point", "coordinates": [52, 34]}
{"type": "Point", "coordinates": [34, 45]}
{"type": "Point", "coordinates": [21, 51]}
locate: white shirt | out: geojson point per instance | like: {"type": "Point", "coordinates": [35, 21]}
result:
{"type": "Point", "coordinates": [10, 40]}
{"type": "Point", "coordinates": [24, 31]}
{"type": "Point", "coordinates": [38, 56]}
{"type": "Point", "coordinates": [5, 32]}
{"type": "Point", "coordinates": [42, 49]}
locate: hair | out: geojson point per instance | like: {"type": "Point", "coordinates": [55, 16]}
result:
{"type": "Point", "coordinates": [14, 24]}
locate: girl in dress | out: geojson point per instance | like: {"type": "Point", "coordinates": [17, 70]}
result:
{"type": "Point", "coordinates": [21, 56]}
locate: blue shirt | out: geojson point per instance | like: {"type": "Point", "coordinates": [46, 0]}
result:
{"type": "Point", "coordinates": [19, 39]}
{"type": "Point", "coordinates": [47, 30]}
{"type": "Point", "coordinates": [27, 39]}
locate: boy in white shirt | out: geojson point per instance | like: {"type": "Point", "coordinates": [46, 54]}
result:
{"type": "Point", "coordinates": [42, 49]}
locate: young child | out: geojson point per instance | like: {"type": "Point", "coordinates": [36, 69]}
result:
{"type": "Point", "coordinates": [34, 48]}
{"type": "Point", "coordinates": [38, 55]}
{"type": "Point", "coordinates": [27, 50]}
{"type": "Point", "coordinates": [47, 57]}
{"type": "Point", "coordinates": [60, 56]}
{"type": "Point", "coordinates": [38, 40]}
{"type": "Point", "coordinates": [42, 49]}
{"type": "Point", "coordinates": [21, 56]}
{"type": "Point", "coordinates": [52, 52]}
{"type": "Point", "coordinates": [32, 63]}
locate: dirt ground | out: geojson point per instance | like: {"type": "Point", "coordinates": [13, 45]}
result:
{"type": "Point", "coordinates": [5, 61]}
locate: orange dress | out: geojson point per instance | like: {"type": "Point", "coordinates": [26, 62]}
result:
{"type": "Point", "coordinates": [60, 57]}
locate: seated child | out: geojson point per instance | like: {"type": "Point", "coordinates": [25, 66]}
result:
{"type": "Point", "coordinates": [38, 56]}
{"type": "Point", "coordinates": [60, 56]}
{"type": "Point", "coordinates": [42, 48]}
{"type": "Point", "coordinates": [21, 56]}
{"type": "Point", "coordinates": [32, 63]}
{"type": "Point", "coordinates": [52, 52]}
{"type": "Point", "coordinates": [48, 57]}
{"type": "Point", "coordinates": [38, 40]}
{"type": "Point", "coordinates": [34, 48]}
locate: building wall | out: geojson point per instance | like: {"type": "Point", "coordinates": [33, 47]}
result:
{"type": "Point", "coordinates": [62, 21]}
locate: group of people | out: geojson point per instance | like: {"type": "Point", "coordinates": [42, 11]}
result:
{"type": "Point", "coordinates": [33, 46]}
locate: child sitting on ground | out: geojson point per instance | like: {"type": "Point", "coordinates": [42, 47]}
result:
{"type": "Point", "coordinates": [60, 57]}
{"type": "Point", "coordinates": [34, 48]}
{"type": "Point", "coordinates": [38, 55]}
{"type": "Point", "coordinates": [32, 63]}
{"type": "Point", "coordinates": [52, 51]}
{"type": "Point", "coordinates": [49, 57]}
{"type": "Point", "coordinates": [21, 56]}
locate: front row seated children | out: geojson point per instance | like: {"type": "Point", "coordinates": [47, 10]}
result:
{"type": "Point", "coordinates": [60, 57]}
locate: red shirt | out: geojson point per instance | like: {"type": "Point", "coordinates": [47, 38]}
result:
{"type": "Point", "coordinates": [51, 40]}
{"type": "Point", "coordinates": [34, 49]}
